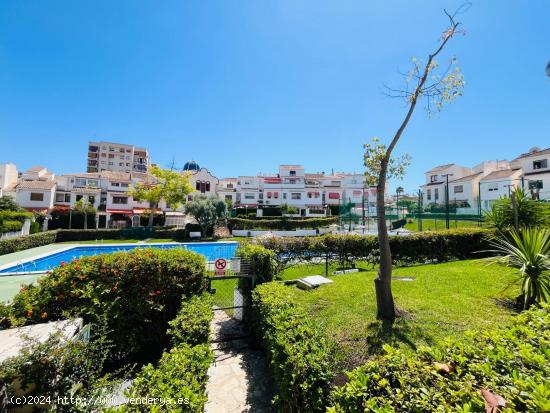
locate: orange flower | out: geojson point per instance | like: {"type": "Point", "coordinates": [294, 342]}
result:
{"type": "Point", "coordinates": [29, 313]}
{"type": "Point", "coordinates": [114, 288]}
{"type": "Point", "coordinates": [44, 315]}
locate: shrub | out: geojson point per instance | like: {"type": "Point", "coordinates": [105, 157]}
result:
{"type": "Point", "coordinates": [260, 260]}
{"type": "Point", "coordinates": [192, 324]}
{"type": "Point", "coordinates": [181, 373]}
{"type": "Point", "coordinates": [54, 368]}
{"type": "Point", "coordinates": [513, 363]}
{"type": "Point", "coordinates": [11, 226]}
{"type": "Point", "coordinates": [135, 293]}
{"type": "Point", "coordinates": [419, 247]}
{"type": "Point", "coordinates": [67, 235]}
{"type": "Point", "coordinates": [301, 358]}
{"type": "Point", "coordinates": [179, 377]}
{"type": "Point", "coordinates": [282, 224]}
{"type": "Point", "coordinates": [25, 242]}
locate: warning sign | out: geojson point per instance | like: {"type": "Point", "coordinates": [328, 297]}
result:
{"type": "Point", "coordinates": [220, 264]}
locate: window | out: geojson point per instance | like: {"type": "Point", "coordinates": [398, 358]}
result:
{"type": "Point", "coordinates": [93, 183]}
{"type": "Point", "coordinates": [121, 156]}
{"type": "Point", "coordinates": [540, 164]}
{"type": "Point", "coordinates": [292, 181]}
{"type": "Point", "coordinates": [120, 200]}
{"type": "Point", "coordinates": [121, 150]}
{"type": "Point", "coordinates": [436, 194]}
{"type": "Point", "coordinates": [535, 184]}
{"type": "Point", "coordinates": [91, 199]}
{"type": "Point", "coordinates": [248, 195]}
{"type": "Point", "coordinates": [284, 195]}
{"type": "Point", "coordinates": [292, 173]}
{"type": "Point", "coordinates": [61, 197]}
{"type": "Point", "coordinates": [111, 156]}
{"type": "Point", "coordinates": [228, 198]}
{"type": "Point", "coordinates": [79, 198]}
{"type": "Point", "coordinates": [229, 186]}
{"type": "Point", "coordinates": [103, 155]}
{"type": "Point", "coordinates": [296, 195]}
{"type": "Point", "coordinates": [37, 196]}
{"type": "Point", "coordinates": [121, 164]}
{"type": "Point", "coordinates": [275, 195]}
{"type": "Point", "coordinates": [429, 194]}
{"type": "Point", "coordinates": [433, 178]}
{"type": "Point", "coordinates": [111, 149]}
{"type": "Point", "coordinates": [492, 187]}
{"type": "Point", "coordinates": [124, 185]}
{"type": "Point", "coordinates": [458, 189]}
{"type": "Point", "coordinates": [117, 184]}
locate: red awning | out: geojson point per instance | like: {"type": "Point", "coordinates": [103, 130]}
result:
{"type": "Point", "coordinates": [120, 211]}
{"type": "Point", "coordinates": [269, 194]}
{"type": "Point", "coordinates": [334, 195]}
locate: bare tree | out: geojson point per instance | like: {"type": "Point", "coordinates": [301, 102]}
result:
{"type": "Point", "coordinates": [437, 87]}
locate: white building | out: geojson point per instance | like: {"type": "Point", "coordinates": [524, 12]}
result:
{"type": "Point", "coordinates": [535, 165]}
{"type": "Point", "coordinates": [117, 157]}
{"type": "Point", "coordinates": [8, 178]}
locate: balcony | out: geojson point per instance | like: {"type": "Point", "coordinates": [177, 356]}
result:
{"type": "Point", "coordinates": [92, 162]}
{"type": "Point", "coordinates": [93, 148]}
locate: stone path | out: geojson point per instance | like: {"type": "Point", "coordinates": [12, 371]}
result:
{"type": "Point", "coordinates": [238, 380]}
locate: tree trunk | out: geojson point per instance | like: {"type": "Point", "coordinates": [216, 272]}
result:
{"type": "Point", "coordinates": [382, 284]}
{"type": "Point", "coordinates": [153, 206]}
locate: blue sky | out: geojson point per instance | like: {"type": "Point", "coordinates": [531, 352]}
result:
{"type": "Point", "coordinates": [242, 86]}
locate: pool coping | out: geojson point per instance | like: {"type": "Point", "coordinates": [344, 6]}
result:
{"type": "Point", "coordinates": [72, 246]}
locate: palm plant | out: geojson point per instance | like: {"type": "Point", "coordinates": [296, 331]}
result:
{"type": "Point", "coordinates": [529, 251]}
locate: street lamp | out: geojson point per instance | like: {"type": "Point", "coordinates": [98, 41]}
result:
{"type": "Point", "coordinates": [447, 199]}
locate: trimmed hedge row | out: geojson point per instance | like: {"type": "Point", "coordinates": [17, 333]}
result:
{"type": "Point", "coordinates": [133, 293]}
{"type": "Point", "coordinates": [181, 373]}
{"type": "Point", "coordinates": [261, 261]}
{"type": "Point", "coordinates": [513, 363]}
{"type": "Point", "coordinates": [282, 224]}
{"type": "Point", "coordinates": [419, 247]}
{"type": "Point", "coordinates": [8, 246]}
{"type": "Point", "coordinates": [301, 358]}
{"type": "Point", "coordinates": [67, 235]}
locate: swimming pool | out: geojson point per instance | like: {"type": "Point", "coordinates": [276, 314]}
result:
{"type": "Point", "coordinates": [211, 250]}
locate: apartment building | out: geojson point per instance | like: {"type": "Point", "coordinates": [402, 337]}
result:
{"type": "Point", "coordinates": [8, 178]}
{"type": "Point", "coordinates": [479, 187]}
{"type": "Point", "coordinates": [117, 157]}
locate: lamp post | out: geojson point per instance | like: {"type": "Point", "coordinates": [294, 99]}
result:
{"type": "Point", "coordinates": [447, 200]}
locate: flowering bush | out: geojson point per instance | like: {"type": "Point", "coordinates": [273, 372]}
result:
{"type": "Point", "coordinates": [134, 294]}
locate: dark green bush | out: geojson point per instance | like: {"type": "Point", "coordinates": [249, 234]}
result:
{"type": "Point", "coordinates": [135, 293]}
{"type": "Point", "coordinates": [513, 363]}
{"type": "Point", "coordinates": [68, 235]}
{"type": "Point", "coordinates": [180, 377]}
{"type": "Point", "coordinates": [192, 324]}
{"type": "Point", "coordinates": [181, 373]}
{"type": "Point", "coordinates": [302, 359]}
{"type": "Point", "coordinates": [260, 261]}
{"type": "Point", "coordinates": [420, 247]}
{"type": "Point", "coordinates": [54, 368]}
{"type": "Point", "coordinates": [283, 224]}
{"type": "Point", "coordinates": [25, 242]}
{"type": "Point", "coordinates": [400, 223]}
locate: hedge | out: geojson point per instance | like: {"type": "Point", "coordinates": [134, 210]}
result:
{"type": "Point", "coordinates": [133, 293]}
{"type": "Point", "coordinates": [67, 235]}
{"type": "Point", "coordinates": [513, 363]}
{"type": "Point", "coordinates": [261, 261]}
{"type": "Point", "coordinates": [421, 247]}
{"type": "Point", "coordinates": [280, 223]}
{"type": "Point", "coordinates": [301, 358]}
{"type": "Point", "coordinates": [192, 324]}
{"type": "Point", "coordinates": [25, 242]}
{"type": "Point", "coordinates": [181, 374]}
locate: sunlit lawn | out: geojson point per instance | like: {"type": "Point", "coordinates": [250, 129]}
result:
{"type": "Point", "coordinates": [438, 224]}
{"type": "Point", "coordinates": [444, 300]}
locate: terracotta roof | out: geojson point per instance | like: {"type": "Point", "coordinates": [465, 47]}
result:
{"type": "Point", "coordinates": [36, 168]}
{"type": "Point", "coordinates": [440, 167]}
{"type": "Point", "coordinates": [503, 173]}
{"type": "Point", "coordinates": [118, 176]}
{"type": "Point", "coordinates": [534, 153]}
{"type": "Point", "coordinates": [84, 175]}
{"type": "Point", "coordinates": [315, 176]}
{"type": "Point", "coordinates": [36, 185]}
{"type": "Point", "coordinates": [466, 178]}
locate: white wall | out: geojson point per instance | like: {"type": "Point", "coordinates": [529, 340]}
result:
{"type": "Point", "coordinates": [23, 198]}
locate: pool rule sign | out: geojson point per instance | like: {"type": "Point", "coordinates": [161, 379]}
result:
{"type": "Point", "coordinates": [220, 265]}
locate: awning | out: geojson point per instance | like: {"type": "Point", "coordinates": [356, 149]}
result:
{"type": "Point", "coordinates": [334, 195]}
{"type": "Point", "coordinates": [120, 211]}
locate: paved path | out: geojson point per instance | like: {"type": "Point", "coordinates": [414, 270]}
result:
{"type": "Point", "coordinates": [238, 380]}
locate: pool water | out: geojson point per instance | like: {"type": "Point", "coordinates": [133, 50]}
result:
{"type": "Point", "coordinates": [211, 250]}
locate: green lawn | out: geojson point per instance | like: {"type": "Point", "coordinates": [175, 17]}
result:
{"type": "Point", "coordinates": [444, 300]}
{"type": "Point", "coordinates": [436, 224]}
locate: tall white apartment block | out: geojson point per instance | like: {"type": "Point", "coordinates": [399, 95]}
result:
{"type": "Point", "coordinates": [8, 177]}
{"type": "Point", "coordinates": [117, 157]}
